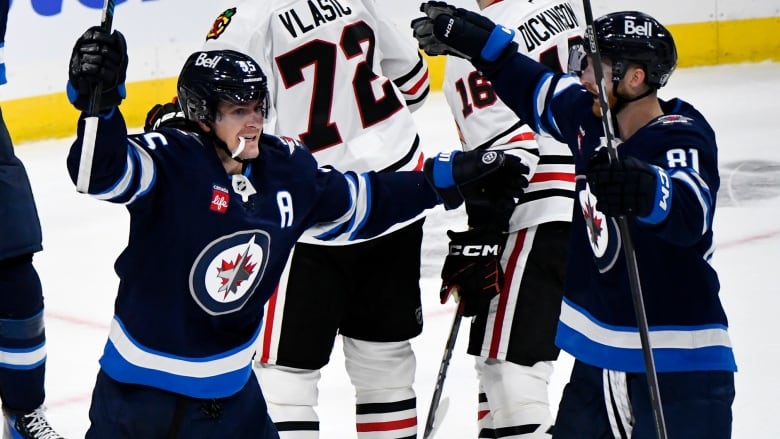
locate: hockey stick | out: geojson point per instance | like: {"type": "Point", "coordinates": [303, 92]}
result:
{"type": "Point", "coordinates": [625, 235]}
{"type": "Point", "coordinates": [445, 363]}
{"type": "Point", "coordinates": [91, 122]}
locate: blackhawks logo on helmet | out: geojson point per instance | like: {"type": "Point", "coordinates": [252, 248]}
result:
{"type": "Point", "coordinates": [220, 24]}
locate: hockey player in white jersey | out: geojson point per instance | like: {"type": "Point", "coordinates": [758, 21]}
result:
{"type": "Point", "coordinates": [512, 334]}
{"type": "Point", "coordinates": [343, 80]}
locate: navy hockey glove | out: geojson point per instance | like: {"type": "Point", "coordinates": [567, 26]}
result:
{"type": "Point", "coordinates": [98, 58]}
{"type": "Point", "coordinates": [629, 186]}
{"type": "Point", "coordinates": [447, 30]}
{"type": "Point", "coordinates": [168, 115]}
{"type": "Point", "coordinates": [472, 271]}
{"type": "Point", "coordinates": [483, 178]}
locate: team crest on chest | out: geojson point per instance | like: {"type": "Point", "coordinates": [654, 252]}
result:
{"type": "Point", "coordinates": [228, 270]}
{"type": "Point", "coordinates": [602, 232]}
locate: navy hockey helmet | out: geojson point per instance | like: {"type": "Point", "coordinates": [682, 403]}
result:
{"type": "Point", "coordinates": [632, 37]}
{"type": "Point", "coordinates": [210, 77]}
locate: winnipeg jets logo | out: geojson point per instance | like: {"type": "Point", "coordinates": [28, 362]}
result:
{"type": "Point", "coordinates": [602, 232]}
{"type": "Point", "coordinates": [227, 272]}
{"type": "Point", "coordinates": [233, 273]}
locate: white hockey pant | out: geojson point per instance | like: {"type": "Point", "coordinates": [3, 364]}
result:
{"type": "Point", "coordinates": [383, 374]}
{"type": "Point", "coordinates": [517, 402]}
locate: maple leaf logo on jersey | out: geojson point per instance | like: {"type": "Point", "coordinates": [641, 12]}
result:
{"type": "Point", "coordinates": [220, 24]}
{"type": "Point", "coordinates": [592, 222]}
{"type": "Point", "coordinates": [233, 273]}
{"type": "Point", "coordinates": [225, 275]}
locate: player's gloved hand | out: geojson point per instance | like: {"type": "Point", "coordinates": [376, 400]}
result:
{"type": "Point", "coordinates": [168, 115]}
{"type": "Point", "coordinates": [487, 178]}
{"type": "Point", "coordinates": [447, 30]}
{"type": "Point", "coordinates": [472, 271]}
{"type": "Point", "coordinates": [629, 186]}
{"type": "Point", "coordinates": [98, 58]}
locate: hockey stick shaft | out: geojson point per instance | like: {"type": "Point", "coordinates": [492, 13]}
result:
{"type": "Point", "coordinates": [91, 122]}
{"type": "Point", "coordinates": [625, 234]}
{"type": "Point", "coordinates": [445, 363]}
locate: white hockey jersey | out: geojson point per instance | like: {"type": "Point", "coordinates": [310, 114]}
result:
{"type": "Point", "coordinates": [543, 30]}
{"type": "Point", "coordinates": [341, 79]}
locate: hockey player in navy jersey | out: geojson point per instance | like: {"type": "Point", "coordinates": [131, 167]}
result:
{"type": "Point", "coordinates": [346, 87]}
{"type": "Point", "coordinates": [665, 181]}
{"type": "Point", "coordinates": [22, 334]}
{"type": "Point", "coordinates": [214, 213]}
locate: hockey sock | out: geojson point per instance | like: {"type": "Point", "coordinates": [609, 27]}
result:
{"type": "Point", "coordinates": [382, 373]}
{"type": "Point", "coordinates": [517, 398]}
{"type": "Point", "coordinates": [291, 395]}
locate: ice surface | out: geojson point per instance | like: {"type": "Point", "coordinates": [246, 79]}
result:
{"type": "Point", "coordinates": [83, 236]}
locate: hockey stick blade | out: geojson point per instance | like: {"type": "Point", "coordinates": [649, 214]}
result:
{"type": "Point", "coordinates": [441, 412]}
{"type": "Point", "coordinates": [91, 122]}
{"type": "Point", "coordinates": [445, 362]}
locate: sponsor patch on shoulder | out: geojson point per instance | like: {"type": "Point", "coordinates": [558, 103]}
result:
{"type": "Point", "coordinates": [674, 118]}
{"type": "Point", "coordinates": [220, 24]}
{"type": "Point", "coordinates": [291, 143]}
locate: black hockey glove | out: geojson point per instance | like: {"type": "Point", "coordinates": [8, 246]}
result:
{"type": "Point", "coordinates": [98, 58]}
{"type": "Point", "coordinates": [168, 115]}
{"type": "Point", "coordinates": [483, 178]}
{"type": "Point", "coordinates": [447, 30]}
{"type": "Point", "coordinates": [629, 186]}
{"type": "Point", "coordinates": [472, 271]}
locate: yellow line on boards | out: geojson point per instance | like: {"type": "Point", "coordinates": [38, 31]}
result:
{"type": "Point", "coordinates": [710, 43]}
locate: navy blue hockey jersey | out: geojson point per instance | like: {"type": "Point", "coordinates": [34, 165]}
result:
{"type": "Point", "coordinates": [202, 260]}
{"type": "Point", "coordinates": [688, 326]}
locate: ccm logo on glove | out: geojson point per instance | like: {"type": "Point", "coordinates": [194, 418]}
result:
{"type": "Point", "coordinates": [475, 250]}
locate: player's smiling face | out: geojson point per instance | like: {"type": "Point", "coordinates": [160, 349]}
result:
{"type": "Point", "coordinates": [234, 122]}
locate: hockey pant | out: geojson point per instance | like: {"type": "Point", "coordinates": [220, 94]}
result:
{"type": "Point", "coordinates": [121, 410]}
{"type": "Point", "coordinates": [513, 401]}
{"type": "Point", "coordinates": [382, 374]}
{"type": "Point", "coordinates": [599, 403]}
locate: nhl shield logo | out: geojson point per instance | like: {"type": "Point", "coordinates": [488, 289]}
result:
{"type": "Point", "coordinates": [228, 270]}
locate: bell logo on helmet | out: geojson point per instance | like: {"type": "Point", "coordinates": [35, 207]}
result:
{"type": "Point", "coordinates": [644, 30]}
{"type": "Point", "coordinates": [203, 60]}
